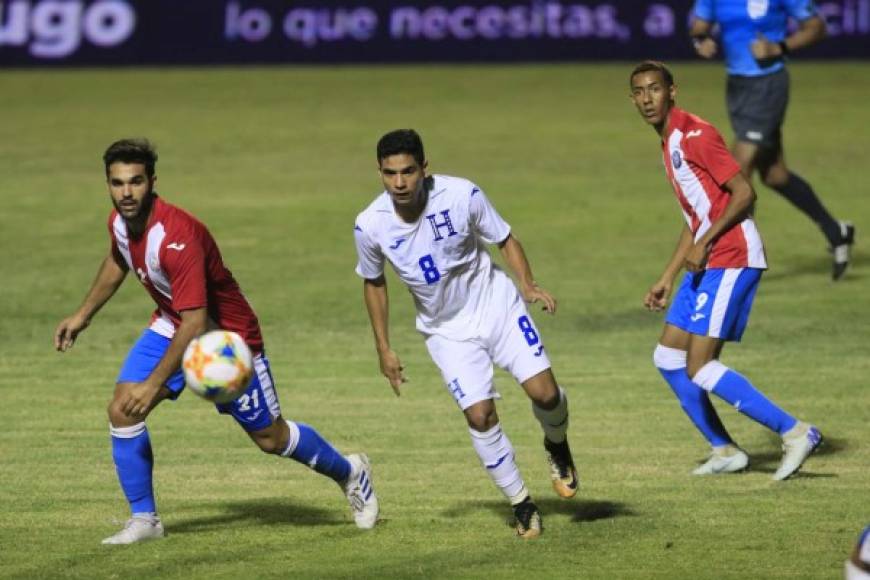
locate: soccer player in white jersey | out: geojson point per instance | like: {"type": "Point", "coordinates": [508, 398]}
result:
{"type": "Point", "coordinates": [433, 230]}
{"type": "Point", "coordinates": [721, 249]}
{"type": "Point", "coordinates": [180, 266]}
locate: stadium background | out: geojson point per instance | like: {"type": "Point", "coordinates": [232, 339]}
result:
{"type": "Point", "coordinates": [278, 160]}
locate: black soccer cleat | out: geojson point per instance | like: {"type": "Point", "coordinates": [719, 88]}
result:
{"type": "Point", "coordinates": [562, 470]}
{"type": "Point", "coordinates": [528, 519]}
{"type": "Point", "coordinates": [842, 251]}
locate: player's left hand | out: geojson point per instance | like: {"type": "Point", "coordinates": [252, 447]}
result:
{"type": "Point", "coordinates": [535, 293]}
{"type": "Point", "coordinates": [764, 50]}
{"type": "Point", "coordinates": [696, 258]}
{"type": "Point", "coordinates": [139, 399]}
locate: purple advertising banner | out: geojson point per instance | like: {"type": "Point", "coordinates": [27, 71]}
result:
{"type": "Point", "coordinates": [167, 32]}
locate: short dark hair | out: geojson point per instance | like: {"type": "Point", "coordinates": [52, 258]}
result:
{"type": "Point", "coordinates": [653, 65]}
{"type": "Point", "coordinates": [132, 151]}
{"type": "Point", "coordinates": [401, 141]}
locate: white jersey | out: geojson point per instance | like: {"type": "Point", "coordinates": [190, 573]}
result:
{"type": "Point", "coordinates": [441, 257]}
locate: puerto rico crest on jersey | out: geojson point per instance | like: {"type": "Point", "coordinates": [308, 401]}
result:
{"type": "Point", "coordinates": [698, 164]}
{"type": "Point", "coordinates": [179, 264]}
{"type": "Point", "coordinates": [442, 257]}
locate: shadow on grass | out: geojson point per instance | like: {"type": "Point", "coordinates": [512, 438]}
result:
{"type": "Point", "coordinates": [258, 513]}
{"type": "Point", "coordinates": [578, 510]}
{"type": "Point", "coordinates": [816, 265]}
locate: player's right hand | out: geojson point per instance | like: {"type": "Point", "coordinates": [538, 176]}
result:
{"type": "Point", "coordinates": [392, 368]}
{"type": "Point", "coordinates": [706, 48]}
{"type": "Point", "coordinates": [535, 293]}
{"type": "Point", "coordinates": [657, 296]}
{"type": "Point", "coordinates": [67, 331]}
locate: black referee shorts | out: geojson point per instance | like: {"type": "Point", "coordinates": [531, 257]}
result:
{"type": "Point", "coordinates": [756, 107]}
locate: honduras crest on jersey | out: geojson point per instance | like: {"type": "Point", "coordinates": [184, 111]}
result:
{"type": "Point", "coordinates": [441, 257]}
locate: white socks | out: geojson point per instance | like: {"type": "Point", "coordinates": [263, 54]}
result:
{"type": "Point", "coordinates": [555, 421]}
{"type": "Point", "coordinates": [497, 456]}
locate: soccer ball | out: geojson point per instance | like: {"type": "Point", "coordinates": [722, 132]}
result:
{"type": "Point", "coordinates": [218, 366]}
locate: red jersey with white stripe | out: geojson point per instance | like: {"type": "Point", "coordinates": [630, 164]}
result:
{"type": "Point", "coordinates": [698, 165]}
{"type": "Point", "coordinates": [179, 264]}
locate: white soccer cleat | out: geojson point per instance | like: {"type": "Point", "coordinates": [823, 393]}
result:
{"type": "Point", "coordinates": [797, 444]}
{"type": "Point", "coordinates": [725, 459]}
{"type": "Point", "coordinates": [139, 528]}
{"type": "Point", "coordinates": [360, 492]}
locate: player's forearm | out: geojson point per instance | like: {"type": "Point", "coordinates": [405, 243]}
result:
{"type": "Point", "coordinates": [515, 258]}
{"type": "Point", "coordinates": [193, 324]}
{"type": "Point", "coordinates": [676, 262]}
{"type": "Point", "coordinates": [810, 31]}
{"type": "Point", "coordinates": [109, 278]}
{"type": "Point", "coordinates": [739, 207]}
{"type": "Point", "coordinates": [378, 307]}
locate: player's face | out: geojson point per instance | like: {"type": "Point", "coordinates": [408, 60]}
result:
{"type": "Point", "coordinates": [403, 178]}
{"type": "Point", "coordinates": [129, 186]}
{"type": "Point", "coordinates": [652, 97]}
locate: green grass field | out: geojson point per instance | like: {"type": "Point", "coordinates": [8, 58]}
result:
{"type": "Point", "coordinates": [278, 162]}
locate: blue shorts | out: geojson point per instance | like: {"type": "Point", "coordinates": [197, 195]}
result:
{"type": "Point", "coordinates": [715, 302]}
{"type": "Point", "coordinates": [254, 410]}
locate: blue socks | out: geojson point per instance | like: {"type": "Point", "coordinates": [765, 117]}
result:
{"type": "Point", "coordinates": [131, 450]}
{"type": "Point", "coordinates": [695, 401]}
{"type": "Point", "coordinates": [734, 388]}
{"type": "Point", "coordinates": [134, 461]}
{"type": "Point", "coordinates": [308, 447]}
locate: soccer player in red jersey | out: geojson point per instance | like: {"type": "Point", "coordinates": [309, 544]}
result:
{"type": "Point", "coordinates": [179, 264]}
{"type": "Point", "coordinates": [722, 252]}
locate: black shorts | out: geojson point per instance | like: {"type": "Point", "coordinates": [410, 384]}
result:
{"type": "Point", "coordinates": [756, 106]}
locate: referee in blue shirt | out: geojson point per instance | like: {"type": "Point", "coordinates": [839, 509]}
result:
{"type": "Point", "coordinates": [754, 36]}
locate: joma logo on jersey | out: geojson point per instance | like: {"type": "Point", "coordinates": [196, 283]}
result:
{"type": "Point", "coordinates": [436, 226]}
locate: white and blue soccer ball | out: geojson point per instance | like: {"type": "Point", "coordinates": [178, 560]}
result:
{"type": "Point", "coordinates": [218, 366]}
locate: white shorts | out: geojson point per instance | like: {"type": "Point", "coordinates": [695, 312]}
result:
{"type": "Point", "coordinates": [507, 337]}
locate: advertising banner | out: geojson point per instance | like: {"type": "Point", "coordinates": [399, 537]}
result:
{"type": "Point", "coordinates": [184, 32]}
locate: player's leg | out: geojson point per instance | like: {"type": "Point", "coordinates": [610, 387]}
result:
{"type": "Point", "coordinates": [131, 443]}
{"type": "Point", "coordinates": [731, 293]}
{"type": "Point", "coordinates": [497, 457]}
{"type": "Point", "coordinates": [467, 372]}
{"type": "Point", "coordinates": [670, 357]}
{"type": "Point", "coordinates": [258, 412]}
{"type": "Point", "coordinates": [777, 176]}
{"type": "Point", "coordinates": [516, 345]}
{"type": "Point", "coordinates": [757, 108]}
{"type": "Point", "coordinates": [550, 407]}
{"type": "Point", "coordinates": [722, 316]}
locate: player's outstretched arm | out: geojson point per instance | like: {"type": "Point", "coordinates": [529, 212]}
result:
{"type": "Point", "coordinates": [700, 33]}
{"type": "Point", "coordinates": [377, 304]}
{"type": "Point", "coordinates": [515, 257]}
{"type": "Point", "coordinates": [657, 296]}
{"type": "Point", "coordinates": [141, 397]}
{"type": "Point", "coordinates": [109, 278]}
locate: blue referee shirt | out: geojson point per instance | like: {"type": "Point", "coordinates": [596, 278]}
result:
{"type": "Point", "coordinates": [740, 21]}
